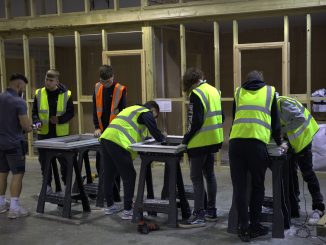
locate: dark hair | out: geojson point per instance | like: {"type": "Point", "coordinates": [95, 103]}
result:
{"type": "Point", "coordinates": [18, 76]}
{"type": "Point", "coordinates": [106, 72]}
{"type": "Point", "coordinates": [191, 76]}
{"type": "Point", "coordinates": [52, 73]}
{"type": "Point", "coordinates": [255, 75]}
{"type": "Point", "coordinates": [152, 104]}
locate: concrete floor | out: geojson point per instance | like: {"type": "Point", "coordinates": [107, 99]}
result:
{"type": "Point", "coordinates": [97, 228]}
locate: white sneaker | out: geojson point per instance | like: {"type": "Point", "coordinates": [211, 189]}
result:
{"type": "Point", "coordinates": [315, 217]}
{"type": "Point", "coordinates": [112, 209]}
{"type": "Point", "coordinates": [5, 207]}
{"type": "Point", "coordinates": [127, 214]}
{"type": "Point", "coordinates": [17, 213]}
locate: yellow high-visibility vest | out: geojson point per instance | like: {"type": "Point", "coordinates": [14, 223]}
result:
{"type": "Point", "coordinates": [253, 114]}
{"type": "Point", "coordinates": [211, 132]}
{"type": "Point", "coordinates": [124, 130]}
{"type": "Point", "coordinates": [302, 136]}
{"type": "Point", "coordinates": [43, 111]}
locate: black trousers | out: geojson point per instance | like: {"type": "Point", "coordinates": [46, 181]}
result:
{"type": "Point", "coordinates": [248, 155]}
{"type": "Point", "coordinates": [303, 159]}
{"type": "Point", "coordinates": [203, 166]}
{"type": "Point", "coordinates": [116, 186]}
{"type": "Point", "coordinates": [62, 162]}
{"type": "Point", "coordinates": [118, 161]}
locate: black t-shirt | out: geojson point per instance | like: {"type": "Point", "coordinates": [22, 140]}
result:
{"type": "Point", "coordinates": [11, 106]}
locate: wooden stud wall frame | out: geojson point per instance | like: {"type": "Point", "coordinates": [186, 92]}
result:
{"type": "Point", "coordinates": [27, 70]}
{"type": "Point", "coordinates": [267, 45]}
{"type": "Point", "coordinates": [3, 73]}
{"type": "Point", "coordinates": [91, 21]}
{"type": "Point", "coordinates": [106, 55]}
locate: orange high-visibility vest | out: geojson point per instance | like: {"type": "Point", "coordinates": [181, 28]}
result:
{"type": "Point", "coordinates": [117, 95]}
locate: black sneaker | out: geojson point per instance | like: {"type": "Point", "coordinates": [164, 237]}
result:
{"type": "Point", "coordinates": [152, 213]}
{"type": "Point", "coordinates": [210, 214]}
{"type": "Point", "coordinates": [197, 219]}
{"type": "Point", "coordinates": [243, 234]}
{"type": "Point", "coordinates": [258, 230]}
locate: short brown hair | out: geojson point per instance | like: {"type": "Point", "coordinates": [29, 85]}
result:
{"type": "Point", "coordinates": [191, 76]}
{"type": "Point", "coordinates": [52, 73]}
{"type": "Point", "coordinates": [106, 72]}
{"type": "Point", "coordinates": [152, 104]}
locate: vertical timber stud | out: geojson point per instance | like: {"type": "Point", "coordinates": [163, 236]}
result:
{"type": "Point", "coordinates": [32, 7]}
{"type": "Point", "coordinates": [116, 5]}
{"type": "Point", "coordinates": [105, 58]}
{"type": "Point", "coordinates": [3, 75]}
{"type": "Point", "coordinates": [309, 61]}
{"type": "Point", "coordinates": [87, 6]}
{"type": "Point", "coordinates": [286, 53]}
{"type": "Point", "coordinates": [183, 70]}
{"type": "Point", "coordinates": [51, 50]}
{"type": "Point", "coordinates": [8, 14]}
{"type": "Point", "coordinates": [79, 81]}
{"type": "Point", "coordinates": [144, 3]}
{"type": "Point", "coordinates": [217, 75]}
{"type": "Point", "coordinates": [59, 7]}
{"type": "Point", "coordinates": [148, 47]}
{"type": "Point", "coordinates": [236, 58]}
{"type": "Point", "coordinates": [27, 69]}
{"type": "Point", "coordinates": [104, 40]}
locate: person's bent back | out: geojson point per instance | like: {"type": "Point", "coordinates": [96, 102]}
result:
{"type": "Point", "coordinates": [127, 128]}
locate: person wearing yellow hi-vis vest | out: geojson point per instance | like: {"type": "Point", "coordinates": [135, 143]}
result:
{"type": "Point", "coordinates": [52, 110]}
{"type": "Point", "coordinates": [255, 120]}
{"type": "Point", "coordinates": [125, 129]}
{"type": "Point", "coordinates": [204, 137]}
{"type": "Point", "coordinates": [299, 127]}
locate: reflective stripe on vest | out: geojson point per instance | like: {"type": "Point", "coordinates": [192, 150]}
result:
{"type": "Point", "coordinates": [125, 130]}
{"type": "Point", "coordinates": [302, 136]}
{"type": "Point", "coordinates": [211, 132]}
{"type": "Point", "coordinates": [116, 97]}
{"type": "Point", "coordinates": [253, 117]}
{"type": "Point", "coordinates": [43, 111]}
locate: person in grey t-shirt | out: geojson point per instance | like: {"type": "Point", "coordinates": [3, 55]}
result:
{"type": "Point", "coordinates": [13, 121]}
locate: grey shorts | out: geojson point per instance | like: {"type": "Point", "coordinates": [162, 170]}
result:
{"type": "Point", "coordinates": [12, 160]}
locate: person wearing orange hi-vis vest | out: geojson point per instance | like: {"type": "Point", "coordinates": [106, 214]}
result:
{"type": "Point", "coordinates": [109, 99]}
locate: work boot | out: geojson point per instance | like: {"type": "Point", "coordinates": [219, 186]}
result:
{"type": "Point", "coordinates": [257, 230]}
{"type": "Point", "coordinates": [243, 234]}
